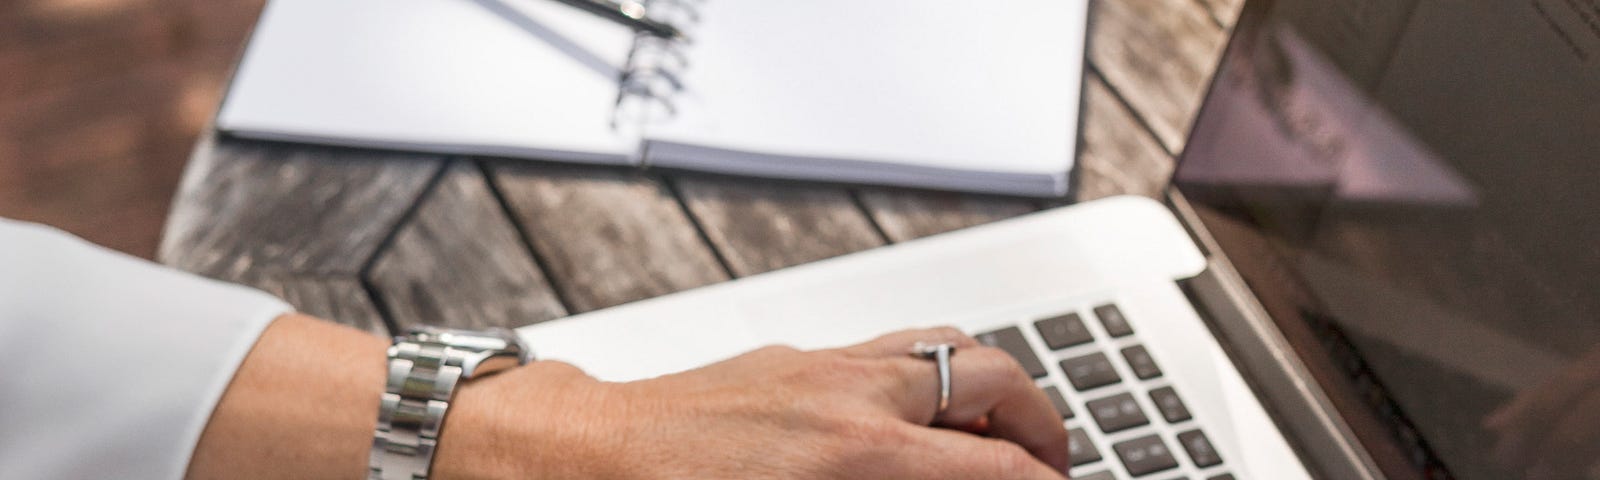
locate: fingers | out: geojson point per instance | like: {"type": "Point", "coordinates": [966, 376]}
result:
{"type": "Point", "coordinates": [948, 454]}
{"type": "Point", "coordinates": [900, 343]}
{"type": "Point", "coordinates": [988, 386]}
{"type": "Point", "coordinates": [988, 389]}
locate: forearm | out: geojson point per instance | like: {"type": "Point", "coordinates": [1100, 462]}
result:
{"type": "Point", "coordinates": [305, 402]}
{"type": "Point", "coordinates": [302, 405]}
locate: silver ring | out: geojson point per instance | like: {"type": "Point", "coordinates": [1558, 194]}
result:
{"type": "Point", "coordinates": [940, 354]}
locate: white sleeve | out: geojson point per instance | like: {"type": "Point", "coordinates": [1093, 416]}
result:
{"type": "Point", "coordinates": [110, 366]}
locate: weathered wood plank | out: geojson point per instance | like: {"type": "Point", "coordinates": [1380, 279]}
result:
{"type": "Point", "coordinates": [36, 43]}
{"type": "Point", "coordinates": [1119, 156]}
{"type": "Point", "coordinates": [1159, 54]}
{"type": "Point", "coordinates": [459, 262]}
{"type": "Point", "coordinates": [909, 214]}
{"type": "Point", "coordinates": [608, 236]}
{"type": "Point", "coordinates": [247, 205]}
{"type": "Point", "coordinates": [340, 299]}
{"type": "Point", "coordinates": [760, 226]}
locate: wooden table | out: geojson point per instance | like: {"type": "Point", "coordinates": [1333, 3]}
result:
{"type": "Point", "coordinates": [384, 240]}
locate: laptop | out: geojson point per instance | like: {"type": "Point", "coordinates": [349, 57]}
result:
{"type": "Point", "coordinates": [1379, 234]}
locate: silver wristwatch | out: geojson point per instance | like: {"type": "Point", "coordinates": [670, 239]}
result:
{"type": "Point", "coordinates": [424, 368]}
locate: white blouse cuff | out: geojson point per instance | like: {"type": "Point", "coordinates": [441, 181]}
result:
{"type": "Point", "coordinates": [112, 365]}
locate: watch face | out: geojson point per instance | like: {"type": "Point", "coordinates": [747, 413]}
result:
{"type": "Point", "coordinates": [459, 338]}
{"type": "Point", "coordinates": [499, 340]}
{"type": "Point", "coordinates": [433, 331]}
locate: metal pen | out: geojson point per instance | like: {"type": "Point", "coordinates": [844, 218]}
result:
{"type": "Point", "coordinates": [628, 13]}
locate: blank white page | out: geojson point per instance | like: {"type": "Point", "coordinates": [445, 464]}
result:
{"type": "Point", "coordinates": [498, 77]}
{"type": "Point", "coordinates": [965, 85]}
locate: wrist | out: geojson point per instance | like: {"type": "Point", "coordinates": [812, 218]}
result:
{"type": "Point", "coordinates": [473, 436]}
{"type": "Point", "coordinates": [302, 405]}
{"type": "Point", "coordinates": [546, 420]}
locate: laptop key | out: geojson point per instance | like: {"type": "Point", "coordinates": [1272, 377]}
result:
{"type": "Point", "coordinates": [1199, 448]}
{"type": "Point", "coordinates": [1010, 339]}
{"type": "Point", "coordinates": [1143, 365]}
{"type": "Point", "coordinates": [1145, 455]}
{"type": "Point", "coordinates": [1170, 406]}
{"type": "Point", "coordinates": [1063, 331]}
{"type": "Point", "coordinates": [1097, 476]}
{"type": "Point", "coordinates": [1117, 413]}
{"type": "Point", "coordinates": [1058, 401]}
{"type": "Point", "coordinates": [1090, 371]}
{"type": "Point", "coordinates": [1080, 448]}
{"type": "Point", "coordinates": [1225, 476]}
{"type": "Point", "coordinates": [1111, 318]}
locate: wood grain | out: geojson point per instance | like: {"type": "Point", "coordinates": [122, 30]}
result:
{"type": "Point", "coordinates": [340, 299]}
{"type": "Point", "coordinates": [459, 262]}
{"type": "Point", "coordinates": [1159, 54]}
{"type": "Point", "coordinates": [100, 103]}
{"type": "Point", "coordinates": [760, 225]}
{"type": "Point", "coordinates": [247, 205]}
{"type": "Point", "coordinates": [1119, 156]}
{"type": "Point", "coordinates": [99, 158]}
{"type": "Point", "coordinates": [911, 214]}
{"type": "Point", "coordinates": [56, 48]}
{"type": "Point", "coordinates": [610, 236]}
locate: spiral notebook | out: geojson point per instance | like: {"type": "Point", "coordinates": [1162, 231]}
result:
{"type": "Point", "coordinates": [948, 94]}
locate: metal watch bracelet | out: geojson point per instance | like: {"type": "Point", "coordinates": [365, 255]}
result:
{"type": "Point", "coordinates": [424, 369]}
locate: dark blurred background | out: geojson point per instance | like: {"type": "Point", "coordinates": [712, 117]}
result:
{"type": "Point", "coordinates": [100, 102]}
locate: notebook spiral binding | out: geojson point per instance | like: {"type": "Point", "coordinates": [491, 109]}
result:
{"type": "Point", "coordinates": [650, 78]}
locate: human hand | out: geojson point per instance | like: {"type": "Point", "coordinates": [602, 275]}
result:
{"type": "Point", "coordinates": [1552, 431]}
{"type": "Point", "coordinates": [862, 411]}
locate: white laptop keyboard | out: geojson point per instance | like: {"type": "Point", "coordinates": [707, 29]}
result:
{"type": "Point", "coordinates": [1002, 281]}
{"type": "Point", "coordinates": [1126, 420]}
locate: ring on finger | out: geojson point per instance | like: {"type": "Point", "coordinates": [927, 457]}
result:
{"type": "Point", "coordinates": [940, 353]}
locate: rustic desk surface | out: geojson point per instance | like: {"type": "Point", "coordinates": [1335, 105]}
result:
{"type": "Point", "coordinates": [384, 240]}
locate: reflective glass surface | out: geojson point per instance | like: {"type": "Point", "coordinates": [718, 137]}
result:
{"type": "Point", "coordinates": [1417, 182]}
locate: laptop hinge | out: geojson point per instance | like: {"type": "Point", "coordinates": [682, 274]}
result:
{"type": "Point", "coordinates": [1314, 426]}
